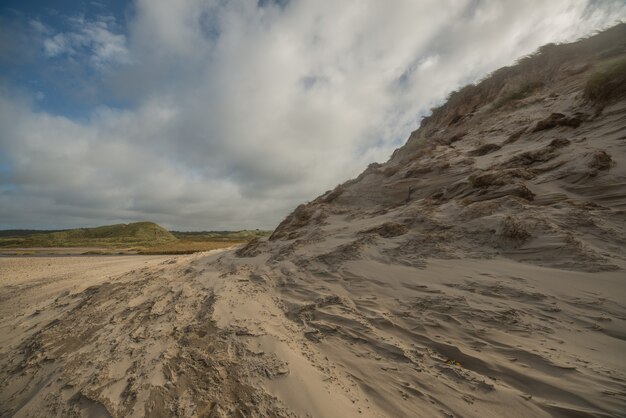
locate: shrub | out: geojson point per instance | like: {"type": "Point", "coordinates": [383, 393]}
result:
{"type": "Point", "coordinates": [601, 160]}
{"type": "Point", "coordinates": [513, 230]}
{"type": "Point", "coordinates": [540, 68]}
{"type": "Point", "coordinates": [608, 84]}
{"type": "Point", "coordinates": [519, 93]}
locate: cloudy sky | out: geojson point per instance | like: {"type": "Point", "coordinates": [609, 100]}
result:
{"type": "Point", "coordinates": [225, 114]}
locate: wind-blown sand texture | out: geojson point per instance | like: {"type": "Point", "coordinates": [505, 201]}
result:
{"type": "Point", "coordinates": [479, 272]}
{"type": "Point", "coordinates": [195, 335]}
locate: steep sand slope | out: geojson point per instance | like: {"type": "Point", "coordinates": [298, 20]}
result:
{"type": "Point", "coordinates": [519, 184]}
{"type": "Point", "coordinates": [479, 272]}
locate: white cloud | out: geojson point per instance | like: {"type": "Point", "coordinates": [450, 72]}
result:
{"type": "Point", "coordinates": [95, 39]}
{"type": "Point", "coordinates": [243, 111]}
{"type": "Point", "coordinates": [38, 26]}
{"type": "Point", "coordinates": [57, 45]}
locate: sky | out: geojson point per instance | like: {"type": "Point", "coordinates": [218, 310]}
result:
{"type": "Point", "coordinates": [227, 114]}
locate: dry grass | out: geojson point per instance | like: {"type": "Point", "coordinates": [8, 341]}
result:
{"type": "Point", "coordinates": [529, 74]}
{"type": "Point", "coordinates": [608, 84]}
{"type": "Point", "coordinates": [513, 230]}
{"type": "Point", "coordinates": [525, 89]}
{"type": "Point", "coordinates": [601, 160]}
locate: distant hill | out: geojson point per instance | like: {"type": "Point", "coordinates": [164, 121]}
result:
{"type": "Point", "coordinates": [138, 237]}
{"type": "Point", "coordinates": [134, 231]}
{"type": "Point", "coordinates": [138, 233]}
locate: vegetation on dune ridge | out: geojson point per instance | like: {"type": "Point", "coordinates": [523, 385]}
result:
{"type": "Point", "coordinates": [138, 237]}
{"type": "Point", "coordinates": [138, 233]}
{"type": "Point", "coordinates": [535, 71]}
{"type": "Point", "coordinates": [148, 231]}
{"type": "Point", "coordinates": [608, 83]}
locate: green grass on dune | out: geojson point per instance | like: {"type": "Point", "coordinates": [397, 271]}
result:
{"type": "Point", "coordinates": [608, 83]}
{"type": "Point", "coordinates": [138, 233]}
{"type": "Point", "coordinates": [141, 237]}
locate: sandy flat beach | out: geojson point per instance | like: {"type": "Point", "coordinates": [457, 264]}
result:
{"type": "Point", "coordinates": [28, 282]}
{"type": "Point", "coordinates": [155, 336]}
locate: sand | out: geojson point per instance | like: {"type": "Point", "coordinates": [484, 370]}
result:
{"type": "Point", "coordinates": [218, 334]}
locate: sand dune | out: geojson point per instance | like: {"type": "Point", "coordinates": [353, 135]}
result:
{"type": "Point", "coordinates": [477, 273]}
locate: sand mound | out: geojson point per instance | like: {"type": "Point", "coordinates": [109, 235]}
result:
{"type": "Point", "coordinates": [537, 177]}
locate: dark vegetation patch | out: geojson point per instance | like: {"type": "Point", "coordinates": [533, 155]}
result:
{"type": "Point", "coordinates": [601, 161]}
{"type": "Point", "coordinates": [513, 230]}
{"type": "Point", "coordinates": [520, 92]}
{"type": "Point", "coordinates": [608, 84]}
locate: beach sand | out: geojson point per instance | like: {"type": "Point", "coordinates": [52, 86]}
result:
{"type": "Point", "coordinates": [214, 333]}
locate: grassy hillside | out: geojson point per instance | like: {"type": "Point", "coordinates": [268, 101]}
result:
{"type": "Point", "coordinates": [138, 237]}
{"type": "Point", "coordinates": [119, 235]}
